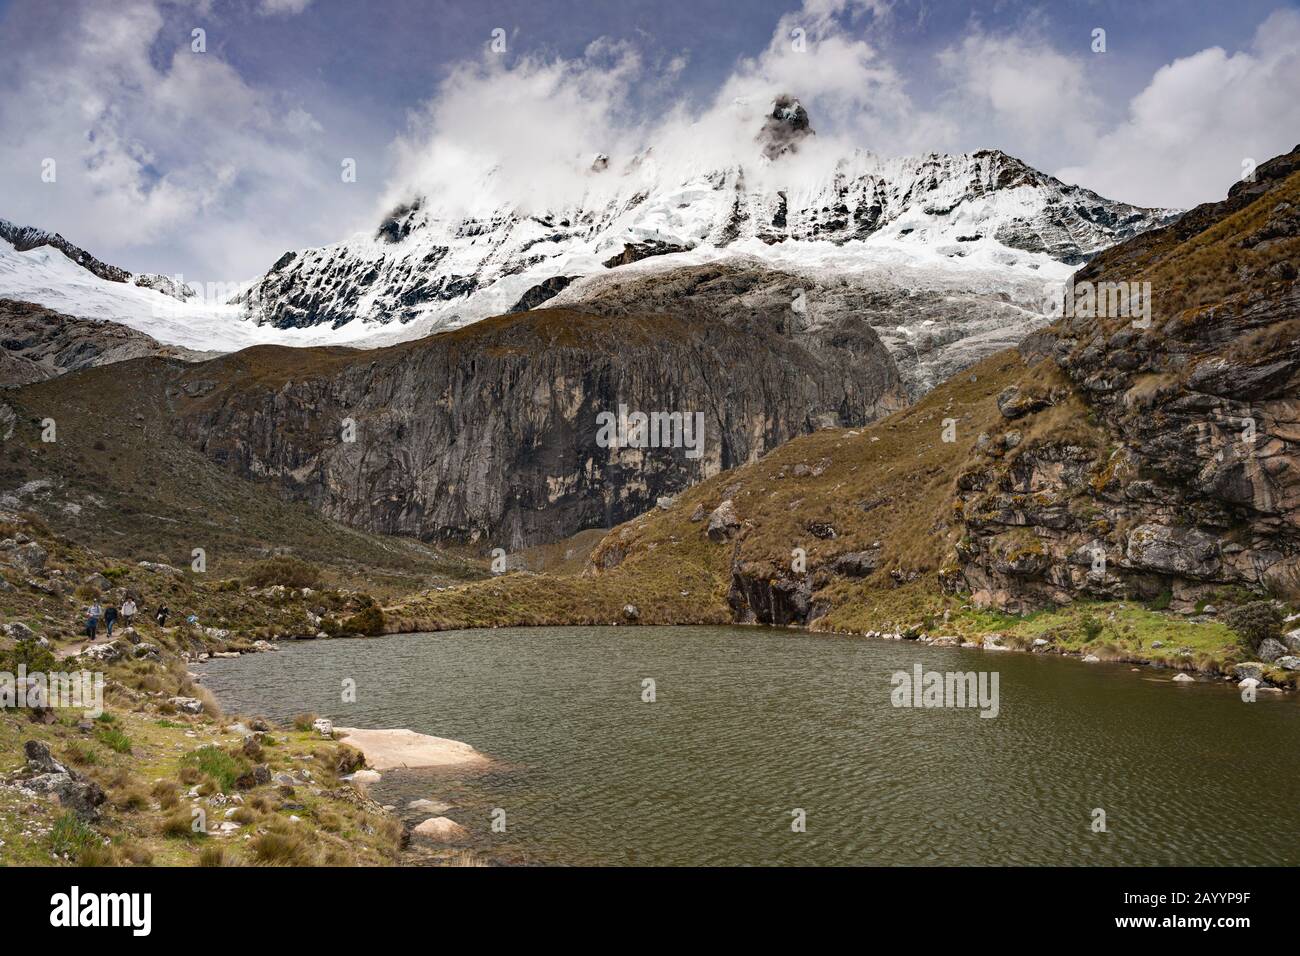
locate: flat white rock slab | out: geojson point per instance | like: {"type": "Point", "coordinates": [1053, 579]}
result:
{"type": "Point", "coordinates": [397, 749]}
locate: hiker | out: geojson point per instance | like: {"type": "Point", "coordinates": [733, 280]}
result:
{"type": "Point", "coordinates": [161, 617]}
{"type": "Point", "coordinates": [128, 612]}
{"type": "Point", "coordinates": [110, 618]}
{"type": "Point", "coordinates": [92, 619]}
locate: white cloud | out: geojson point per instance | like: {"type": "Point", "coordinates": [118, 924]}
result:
{"type": "Point", "coordinates": [158, 153]}
{"type": "Point", "coordinates": [277, 8]}
{"type": "Point", "coordinates": [1189, 131]}
{"type": "Point", "coordinates": [524, 132]}
{"type": "Point", "coordinates": [1017, 88]}
{"type": "Point", "coordinates": [169, 154]}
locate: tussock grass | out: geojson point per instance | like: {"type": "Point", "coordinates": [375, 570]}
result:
{"type": "Point", "coordinates": [219, 767]}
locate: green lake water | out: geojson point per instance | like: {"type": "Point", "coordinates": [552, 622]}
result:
{"type": "Point", "coordinates": [751, 724]}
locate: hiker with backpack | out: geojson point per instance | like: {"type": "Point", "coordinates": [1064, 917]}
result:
{"type": "Point", "coordinates": [110, 618]}
{"type": "Point", "coordinates": [128, 612]}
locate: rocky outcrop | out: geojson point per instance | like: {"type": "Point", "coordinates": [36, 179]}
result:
{"type": "Point", "coordinates": [23, 238]}
{"type": "Point", "coordinates": [542, 292]}
{"type": "Point", "coordinates": [38, 343]}
{"type": "Point", "coordinates": [931, 335]}
{"type": "Point", "coordinates": [493, 434]}
{"type": "Point", "coordinates": [46, 777]}
{"type": "Point", "coordinates": [786, 126]}
{"type": "Point", "coordinates": [1179, 470]}
{"type": "Point", "coordinates": [166, 285]}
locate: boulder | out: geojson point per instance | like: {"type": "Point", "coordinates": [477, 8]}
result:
{"type": "Point", "coordinates": [187, 705]}
{"type": "Point", "coordinates": [259, 775]}
{"type": "Point", "coordinates": [1013, 403]}
{"type": "Point", "coordinates": [857, 564]}
{"type": "Point", "coordinates": [1288, 662]}
{"type": "Point", "coordinates": [1249, 670]}
{"type": "Point", "coordinates": [31, 557]}
{"type": "Point", "coordinates": [1184, 679]}
{"type": "Point", "coordinates": [1292, 641]}
{"type": "Point", "coordinates": [441, 830]}
{"type": "Point", "coordinates": [98, 581]}
{"type": "Point", "coordinates": [39, 758]}
{"type": "Point", "coordinates": [429, 806]}
{"type": "Point", "coordinates": [323, 726]}
{"type": "Point", "coordinates": [19, 631]}
{"type": "Point", "coordinates": [66, 787]}
{"type": "Point", "coordinates": [1092, 659]}
{"type": "Point", "coordinates": [724, 522]}
{"type": "Point", "coordinates": [103, 652]}
{"type": "Point", "coordinates": [631, 612]}
{"type": "Point", "coordinates": [1270, 650]}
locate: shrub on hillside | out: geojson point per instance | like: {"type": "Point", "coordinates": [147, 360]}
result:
{"type": "Point", "coordinates": [283, 570]}
{"type": "Point", "coordinates": [1254, 622]}
{"type": "Point", "coordinates": [31, 655]}
{"type": "Point", "coordinates": [369, 621]}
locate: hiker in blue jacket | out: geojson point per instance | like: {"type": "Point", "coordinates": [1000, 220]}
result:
{"type": "Point", "coordinates": [92, 619]}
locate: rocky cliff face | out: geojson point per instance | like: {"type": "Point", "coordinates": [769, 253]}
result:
{"type": "Point", "coordinates": [38, 343]}
{"type": "Point", "coordinates": [491, 434]}
{"type": "Point", "coordinates": [1185, 479]}
{"type": "Point", "coordinates": [931, 333]}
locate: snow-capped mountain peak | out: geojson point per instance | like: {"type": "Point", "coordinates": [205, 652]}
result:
{"type": "Point", "coordinates": [433, 267]}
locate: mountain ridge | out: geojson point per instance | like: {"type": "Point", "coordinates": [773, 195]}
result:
{"type": "Point", "coordinates": [422, 264]}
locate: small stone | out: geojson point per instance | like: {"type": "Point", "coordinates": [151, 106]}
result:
{"type": "Point", "coordinates": [1092, 659]}
{"type": "Point", "coordinates": [1184, 679]}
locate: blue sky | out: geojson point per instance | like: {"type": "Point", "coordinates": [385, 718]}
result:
{"type": "Point", "coordinates": [214, 164]}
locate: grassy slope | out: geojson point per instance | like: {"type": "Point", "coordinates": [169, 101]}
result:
{"type": "Point", "coordinates": [334, 826]}
{"type": "Point", "coordinates": [126, 486]}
